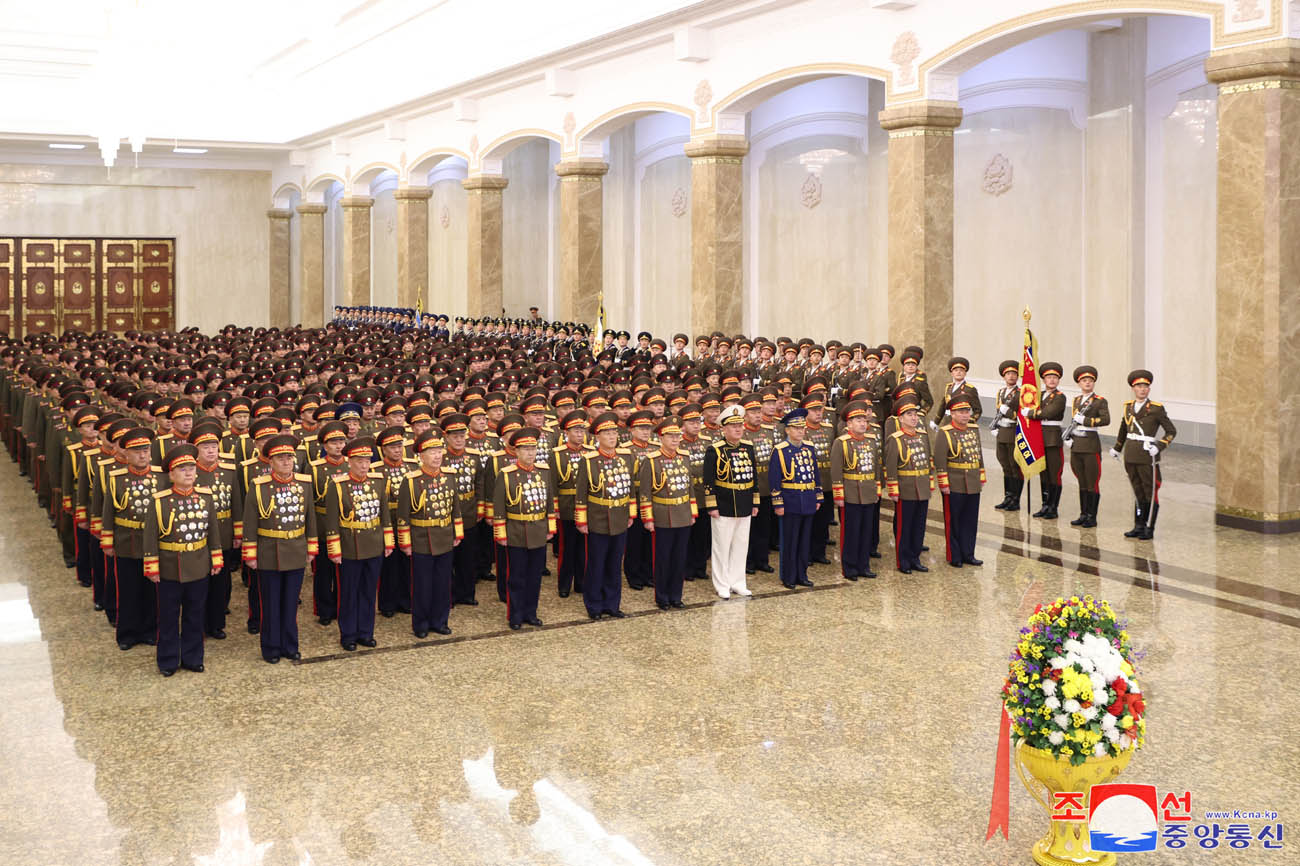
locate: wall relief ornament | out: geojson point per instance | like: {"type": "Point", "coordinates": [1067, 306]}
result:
{"type": "Point", "coordinates": [998, 175]}
{"type": "Point", "coordinates": [703, 96]}
{"type": "Point", "coordinates": [473, 145]}
{"type": "Point", "coordinates": [445, 217]}
{"type": "Point", "coordinates": [810, 192]}
{"type": "Point", "coordinates": [1247, 10]}
{"type": "Point", "coordinates": [679, 202]}
{"type": "Point", "coordinates": [570, 124]}
{"type": "Point", "coordinates": [906, 50]}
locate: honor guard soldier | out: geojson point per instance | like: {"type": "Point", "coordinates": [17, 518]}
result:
{"type": "Point", "coordinates": [523, 521]}
{"type": "Point", "coordinates": [395, 575]}
{"type": "Point", "coordinates": [1051, 413]}
{"type": "Point", "coordinates": [113, 457]}
{"type": "Point", "coordinates": [796, 497]}
{"type": "Point", "coordinates": [571, 556]}
{"type": "Point", "coordinates": [1140, 447]}
{"type": "Point", "coordinates": [359, 535]}
{"type": "Point", "coordinates": [668, 508]}
{"type": "Point", "coordinates": [128, 496]}
{"type": "Point", "coordinates": [762, 435]}
{"type": "Point", "coordinates": [220, 478]}
{"type": "Point", "coordinates": [1089, 414]}
{"type": "Point", "coordinates": [1004, 424]}
{"type": "Point", "coordinates": [820, 434]}
{"type": "Point", "coordinates": [958, 388]}
{"type": "Point", "coordinates": [604, 510]}
{"type": "Point", "coordinates": [959, 466]}
{"type": "Point", "coordinates": [878, 380]}
{"type": "Point", "coordinates": [330, 439]}
{"type": "Point", "coordinates": [911, 361]}
{"type": "Point", "coordinates": [856, 481]}
{"type": "Point", "coordinates": [279, 543]}
{"type": "Point", "coordinates": [469, 496]}
{"type": "Point", "coordinates": [429, 527]}
{"type": "Point", "coordinates": [182, 550]}
{"type": "Point", "coordinates": [729, 498]}
{"type": "Point", "coordinates": [908, 469]}
{"type": "Point", "coordinates": [236, 441]}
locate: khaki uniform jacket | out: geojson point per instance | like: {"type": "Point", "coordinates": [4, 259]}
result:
{"type": "Point", "coordinates": [666, 491]}
{"type": "Point", "coordinates": [1006, 425]}
{"type": "Point", "coordinates": [764, 441]}
{"type": "Point", "coordinates": [222, 481]}
{"type": "Point", "coordinates": [606, 491]}
{"type": "Point", "coordinates": [922, 387]}
{"type": "Point", "coordinates": [127, 499]}
{"type": "Point", "coordinates": [182, 541]}
{"type": "Point", "coordinates": [358, 523]}
{"type": "Point", "coordinates": [1051, 411]}
{"type": "Point", "coordinates": [966, 390]}
{"type": "Point", "coordinates": [280, 523]}
{"type": "Point", "coordinates": [565, 462]}
{"type": "Point", "coordinates": [1138, 428]}
{"type": "Point", "coordinates": [856, 471]}
{"type": "Point", "coordinates": [525, 506]}
{"type": "Point", "coordinates": [428, 516]}
{"type": "Point", "coordinates": [1084, 438]}
{"type": "Point", "coordinates": [908, 466]}
{"type": "Point", "coordinates": [958, 459]}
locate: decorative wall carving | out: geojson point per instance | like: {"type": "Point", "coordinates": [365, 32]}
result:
{"type": "Point", "coordinates": [473, 145]}
{"type": "Point", "coordinates": [570, 124]}
{"type": "Point", "coordinates": [445, 217]}
{"type": "Point", "coordinates": [703, 96]}
{"type": "Point", "coordinates": [998, 175]}
{"type": "Point", "coordinates": [1247, 10]}
{"type": "Point", "coordinates": [906, 50]}
{"type": "Point", "coordinates": [679, 202]}
{"type": "Point", "coordinates": [810, 192]}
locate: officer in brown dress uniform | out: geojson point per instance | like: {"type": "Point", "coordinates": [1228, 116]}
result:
{"type": "Point", "coordinates": [128, 495]}
{"type": "Point", "coordinates": [571, 557]}
{"type": "Point", "coordinates": [1051, 412]}
{"type": "Point", "coordinates": [279, 543]}
{"type": "Point", "coordinates": [1089, 414]}
{"type": "Point", "coordinates": [523, 520]}
{"type": "Point", "coordinates": [429, 526]}
{"type": "Point", "coordinates": [1141, 448]}
{"type": "Point", "coordinates": [959, 466]}
{"type": "Point", "coordinates": [957, 388]}
{"type": "Point", "coordinates": [222, 480]}
{"type": "Point", "coordinates": [358, 535]}
{"type": "Point", "coordinates": [1004, 423]}
{"type": "Point", "coordinates": [762, 435]}
{"type": "Point", "coordinates": [696, 444]}
{"type": "Point", "coordinates": [856, 482]}
{"type": "Point", "coordinates": [182, 550]}
{"type": "Point", "coordinates": [666, 493]}
{"type": "Point", "coordinates": [604, 510]}
{"type": "Point", "coordinates": [395, 574]}
{"type": "Point", "coordinates": [469, 492]}
{"type": "Point", "coordinates": [908, 478]}
{"type": "Point", "coordinates": [330, 440]}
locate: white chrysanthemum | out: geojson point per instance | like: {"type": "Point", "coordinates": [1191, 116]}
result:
{"type": "Point", "coordinates": [1072, 647]}
{"type": "Point", "coordinates": [1125, 741]}
{"type": "Point", "coordinates": [1098, 684]}
{"type": "Point", "coordinates": [1112, 734]}
{"type": "Point", "coordinates": [1100, 750]}
{"type": "Point", "coordinates": [1056, 738]}
{"type": "Point", "coordinates": [1052, 703]}
{"type": "Point", "coordinates": [1062, 720]}
{"type": "Point", "coordinates": [1132, 686]}
{"type": "Point", "coordinates": [1049, 687]}
{"type": "Point", "coordinates": [1090, 713]}
{"type": "Point", "coordinates": [1057, 662]}
{"type": "Point", "coordinates": [1108, 722]}
{"type": "Point", "coordinates": [1071, 706]}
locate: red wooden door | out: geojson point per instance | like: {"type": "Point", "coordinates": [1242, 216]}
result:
{"type": "Point", "coordinates": [118, 272]}
{"type": "Point", "coordinates": [157, 292]}
{"type": "Point", "coordinates": [8, 322]}
{"type": "Point", "coordinates": [76, 293]}
{"type": "Point", "coordinates": [40, 269]}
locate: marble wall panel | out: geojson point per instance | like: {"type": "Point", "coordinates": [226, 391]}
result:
{"type": "Point", "coordinates": [383, 250]}
{"type": "Point", "coordinates": [447, 239]}
{"type": "Point", "coordinates": [665, 247]}
{"type": "Point", "coordinates": [618, 217]}
{"type": "Point", "coordinates": [312, 308]}
{"type": "Point", "coordinates": [526, 233]}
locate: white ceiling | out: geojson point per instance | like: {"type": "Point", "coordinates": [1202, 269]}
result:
{"type": "Point", "coordinates": [263, 71]}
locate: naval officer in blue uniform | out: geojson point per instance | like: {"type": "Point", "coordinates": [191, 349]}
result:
{"type": "Point", "coordinates": [796, 496]}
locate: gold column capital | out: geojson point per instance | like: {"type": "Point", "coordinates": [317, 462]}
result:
{"type": "Point", "coordinates": [311, 208]}
{"type": "Point", "coordinates": [717, 146]}
{"type": "Point", "coordinates": [1276, 60]}
{"type": "Point", "coordinates": [279, 213]}
{"type": "Point", "coordinates": [581, 168]}
{"type": "Point", "coordinates": [479, 182]}
{"type": "Point", "coordinates": [929, 114]}
{"type": "Point", "coordinates": [356, 201]}
{"type": "Point", "coordinates": [413, 193]}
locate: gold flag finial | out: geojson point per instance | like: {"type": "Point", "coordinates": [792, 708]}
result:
{"type": "Point", "coordinates": [1026, 314]}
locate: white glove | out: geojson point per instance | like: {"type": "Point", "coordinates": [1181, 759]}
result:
{"type": "Point", "coordinates": [1024, 412]}
{"type": "Point", "coordinates": [1152, 449]}
{"type": "Point", "coordinates": [1078, 417]}
{"type": "Point", "coordinates": [1067, 441]}
{"type": "Point", "coordinates": [934, 426]}
{"type": "Point", "coordinates": [1114, 453]}
{"type": "Point", "coordinates": [1003, 409]}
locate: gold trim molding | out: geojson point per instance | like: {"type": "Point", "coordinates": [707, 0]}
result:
{"type": "Point", "coordinates": [1262, 516]}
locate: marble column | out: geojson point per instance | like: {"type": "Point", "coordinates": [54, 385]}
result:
{"type": "Point", "coordinates": [717, 232]}
{"type": "Point", "coordinates": [311, 259]}
{"type": "Point", "coordinates": [1257, 272]}
{"type": "Point", "coordinates": [356, 249]}
{"type": "Point", "coordinates": [920, 225]}
{"type": "Point", "coordinates": [412, 244]}
{"type": "Point", "coordinates": [581, 238]}
{"type": "Point", "coordinates": [278, 287]}
{"type": "Point", "coordinates": [483, 223]}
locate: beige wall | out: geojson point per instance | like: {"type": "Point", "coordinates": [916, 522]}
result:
{"type": "Point", "coordinates": [448, 278]}
{"type": "Point", "coordinates": [217, 217]}
{"type": "Point", "coordinates": [527, 226]}
{"type": "Point", "coordinates": [665, 250]}
{"type": "Point", "coordinates": [383, 250]}
{"type": "Point", "coordinates": [618, 215]}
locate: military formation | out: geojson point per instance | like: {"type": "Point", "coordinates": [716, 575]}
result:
{"type": "Point", "coordinates": [391, 463]}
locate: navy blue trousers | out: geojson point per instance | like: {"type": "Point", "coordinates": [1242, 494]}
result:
{"type": "Point", "coordinates": [602, 588]}
{"type": "Point", "coordinates": [909, 530]}
{"type": "Point", "coordinates": [700, 547]}
{"type": "Point", "coordinates": [180, 623]}
{"type": "Point", "coordinates": [669, 562]}
{"type": "Point", "coordinates": [464, 567]}
{"type": "Point", "coordinates": [101, 581]}
{"type": "Point", "coordinates": [760, 531]}
{"type": "Point", "coordinates": [278, 627]}
{"type": "Point", "coordinates": [395, 583]}
{"type": "Point", "coordinates": [636, 561]}
{"type": "Point", "coordinates": [430, 590]}
{"type": "Point", "coordinates": [137, 602]}
{"type": "Point", "coordinates": [358, 588]}
{"type": "Point", "coordinates": [523, 581]}
{"type": "Point", "coordinates": [254, 598]}
{"type": "Point", "coordinates": [961, 513]}
{"type": "Point", "coordinates": [859, 530]}
{"type": "Point", "coordinates": [214, 611]}
{"type": "Point", "coordinates": [796, 544]}
{"type": "Point", "coordinates": [324, 587]}
{"type": "Point", "coordinates": [821, 528]}
{"type": "Point", "coordinates": [571, 558]}
{"type": "Point", "coordinates": [86, 549]}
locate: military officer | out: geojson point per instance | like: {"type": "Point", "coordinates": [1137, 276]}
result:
{"type": "Point", "coordinates": [468, 464]}
{"type": "Point", "coordinates": [729, 498]}
{"type": "Point", "coordinates": [1089, 414]}
{"type": "Point", "coordinates": [763, 436]}
{"type": "Point", "coordinates": [959, 467]}
{"type": "Point", "coordinates": [76, 468]}
{"type": "Point", "coordinates": [394, 465]}
{"type": "Point", "coordinates": [221, 479]}
{"type": "Point", "coordinates": [1051, 413]}
{"type": "Point", "coordinates": [429, 526]}
{"type": "Point", "coordinates": [571, 556]}
{"type": "Point", "coordinates": [856, 481]}
{"type": "Point", "coordinates": [1008, 400]}
{"type": "Point", "coordinates": [331, 464]}
{"type": "Point", "coordinates": [696, 444]}
{"type": "Point", "coordinates": [603, 512]}
{"type": "Point", "coordinates": [820, 434]}
{"type": "Point", "coordinates": [795, 481]}
{"type": "Point", "coordinates": [279, 544]}
{"type": "Point", "coordinates": [668, 508]}
{"type": "Point", "coordinates": [636, 561]}
{"type": "Point", "coordinates": [359, 534]}
{"type": "Point", "coordinates": [128, 495]}
{"type": "Point", "coordinates": [912, 376]}
{"type": "Point", "coordinates": [182, 550]}
{"type": "Point", "coordinates": [908, 478]}
{"type": "Point", "coordinates": [1140, 447]}
{"type": "Point", "coordinates": [957, 388]}
{"type": "Point", "coordinates": [523, 521]}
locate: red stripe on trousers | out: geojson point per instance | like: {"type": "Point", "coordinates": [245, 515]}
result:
{"type": "Point", "coordinates": [1096, 485]}
{"type": "Point", "coordinates": [898, 532]}
{"type": "Point", "coordinates": [947, 529]}
{"type": "Point", "coordinates": [843, 566]}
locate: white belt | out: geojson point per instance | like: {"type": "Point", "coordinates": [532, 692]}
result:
{"type": "Point", "coordinates": [1050, 423]}
{"type": "Point", "coordinates": [1006, 422]}
{"type": "Point", "coordinates": [1136, 438]}
{"type": "Point", "coordinates": [1082, 429]}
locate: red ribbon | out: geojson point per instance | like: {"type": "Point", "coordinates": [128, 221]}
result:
{"type": "Point", "coordinates": [1000, 808]}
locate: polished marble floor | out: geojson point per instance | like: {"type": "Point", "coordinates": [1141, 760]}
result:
{"type": "Point", "coordinates": [847, 724]}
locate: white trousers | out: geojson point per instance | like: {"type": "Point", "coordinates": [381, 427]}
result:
{"type": "Point", "coordinates": [730, 545]}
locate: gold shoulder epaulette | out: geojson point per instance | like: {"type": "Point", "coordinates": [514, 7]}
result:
{"type": "Point", "coordinates": [1154, 403]}
{"type": "Point", "coordinates": [249, 461]}
{"type": "Point", "coordinates": [1128, 402]}
{"type": "Point", "coordinates": [410, 460]}
{"type": "Point", "coordinates": [896, 434]}
{"type": "Point", "coordinates": [506, 469]}
{"type": "Point", "coordinates": [319, 461]}
{"type": "Point", "coordinates": [541, 466]}
{"type": "Point", "coordinates": [261, 479]}
{"type": "Point", "coordinates": [746, 442]}
{"type": "Point", "coordinates": [415, 474]}
{"type": "Point", "coordinates": [781, 444]}
{"type": "Point", "coordinates": [448, 470]}
{"type": "Point", "coordinates": [221, 465]}
{"type": "Point", "coordinates": [74, 446]}
{"type": "Point", "coordinates": [843, 436]}
{"type": "Point", "coordinates": [207, 490]}
{"type": "Point", "coordinates": [155, 467]}
{"type": "Point", "coordinates": [302, 476]}
{"type": "Point", "coordinates": [376, 475]}
{"type": "Point", "coordinates": [163, 494]}
{"type": "Point", "coordinates": [654, 453]}
{"type": "Point", "coordinates": [767, 426]}
{"type": "Point", "coordinates": [945, 426]}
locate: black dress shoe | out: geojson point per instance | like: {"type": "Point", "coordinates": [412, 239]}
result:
{"type": "Point", "coordinates": [875, 554]}
{"type": "Point", "coordinates": [677, 604]}
{"type": "Point", "coordinates": [367, 642]}
{"type": "Point", "coordinates": [662, 605]}
{"type": "Point", "coordinates": [219, 634]}
{"type": "Point", "coordinates": [591, 615]}
{"type": "Point", "coordinates": [905, 571]}
{"type": "Point", "coordinates": [546, 572]}
{"type": "Point", "coordinates": [970, 560]}
{"type": "Point", "coordinates": [919, 567]}
{"type": "Point", "coordinates": [766, 569]}
{"type": "Point", "coordinates": [350, 646]}
{"type": "Point", "coordinates": [956, 564]}
{"type": "Point", "coordinates": [272, 661]}
{"type": "Point", "coordinates": [325, 620]}
{"type": "Point", "coordinates": [166, 671]}
{"type": "Point", "coordinates": [254, 628]}
{"type": "Point", "coordinates": [821, 560]}
{"type": "Point", "coordinates": [198, 669]}
{"type": "Point", "coordinates": [296, 656]}
{"type": "Point", "coordinates": [124, 645]}
{"type": "Point", "coordinates": [98, 606]}
{"type": "Point", "coordinates": [637, 586]}
{"type": "Point", "coordinates": [535, 622]}
{"type": "Point", "coordinates": [870, 574]}
{"type": "Point", "coordinates": [401, 608]}
{"type": "Point", "coordinates": [564, 593]}
{"type": "Point", "coordinates": [149, 641]}
{"type": "Point", "coordinates": [515, 626]}
{"type": "Point", "coordinates": [852, 577]}
{"type": "Point", "coordinates": [388, 614]}
{"type": "Point", "coordinates": [925, 548]}
{"type": "Point", "coordinates": [803, 581]}
{"type": "Point", "coordinates": [616, 614]}
{"type": "Point", "coordinates": [787, 585]}
{"type": "Point", "coordinates": [442, 629]}
{"type": "Point", "coordinates": [749, 571]}
{"type": "Point", "coordinates": [422, 633]}
{"type": "Point", "coordinates": [84, 582]}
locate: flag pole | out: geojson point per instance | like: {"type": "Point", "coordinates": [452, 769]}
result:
{"type": "Point", "coordinates": [1029, 488]}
